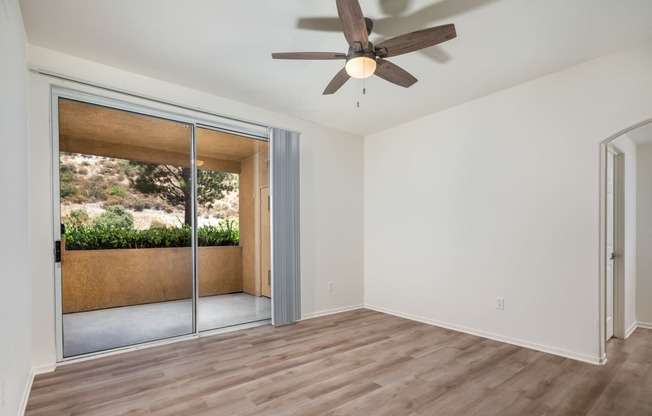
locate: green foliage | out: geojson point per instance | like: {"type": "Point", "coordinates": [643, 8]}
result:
{"type": "Point", "coordinates": [140, 205]}
{"type": "Point", "coordinates": [66, 173]}
{"type": "Point", "coordinates": [67, 189]}
{"type": "Point", "coordinates": [94, 192]}
{"type": "Point", "coordinates": [115, 216]}
{"type": "Point", "coordinates": [97, 236]}
{"type": "Point", "coordinates": [66, 176]}
{"type": "Point", "coordinates": [225, 234]}
{"type": "Point", "coordinates": [78, 217]}
{"type": "Point", "coordinates": [117, 190]}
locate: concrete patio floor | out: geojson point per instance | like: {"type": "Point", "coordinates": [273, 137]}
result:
{"type": "Point", "coordinates": [86, 332]}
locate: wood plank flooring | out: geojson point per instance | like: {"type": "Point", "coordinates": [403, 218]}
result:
{"type": "Point", "coordinates": [354, 363]}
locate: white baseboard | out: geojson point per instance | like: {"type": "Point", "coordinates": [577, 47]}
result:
{"type": "Point", "coordinates": [645, 325]}
{"type": "Point", "coordinates": [25, 398]}
{"type": "Point", "coordinates": [330, 312]}
{"type": "Point", "coordinates": [42, 369]}
{"type": "Point", "coordinates": [521, 343]}
{"type": "Point", "coordinates": [631, 329]}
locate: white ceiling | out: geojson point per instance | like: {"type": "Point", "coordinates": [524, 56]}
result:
{"type": "Point", "coordinates": [223, 47]}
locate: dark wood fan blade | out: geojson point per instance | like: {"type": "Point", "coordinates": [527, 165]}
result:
{"type": "Point", "coordinates": [414, 41]}
{"type": "Point", "coordinates": [309, 55]}
{"type": "Point", "coordinates": [353, 23]}
{"type": "Point", "coordinates": [394, 73]}
{"type": "Point", "coordinates": [338, 80]}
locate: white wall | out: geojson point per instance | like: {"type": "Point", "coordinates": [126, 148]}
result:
{"type": "Point", "coordinates": [644, 236]}
{"type": "Point", "coordinates": [15, 325]}
{"type": "Point", "coordinates": [331, 192]}
{"type": "Point", "coordinates": [628, 280]}
{"type": "Point", "coordinates": [500, 197]}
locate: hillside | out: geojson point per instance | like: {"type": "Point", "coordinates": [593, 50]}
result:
{"type": "Point", "coordinates": [88, 184]}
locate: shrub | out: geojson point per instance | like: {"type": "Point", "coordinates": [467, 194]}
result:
{"type": "Point", "coordinates": [157, 224]}
{"type": "Point", "coordinates": [67, 190]}
{"type": "Point", "coordinates": [140, 205]}
{"type": "Point", "coordinates": [94, 192]}
{"type": "Point", "coordinates": [66, 173]}
{"type": "Point", "coordinates": [77, 217]}
{"type": "Point", "coordinates": [97, 236]}
{"type": "Point", "coordinates": [118, 191]}
{"type": "Point", "coordinates": [115, 216]}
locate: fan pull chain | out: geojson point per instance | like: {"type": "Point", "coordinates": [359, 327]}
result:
{"type": "Point", "coordinates": [364, 87]}
{"type": "Point", "coordinates": [364, 80]}
{"type": "Point", "coordinates": [357, 91]}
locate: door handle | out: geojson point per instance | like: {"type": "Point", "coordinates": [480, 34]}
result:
{"type": "Point", "coordinates": [614, 256]}
{"type": "Point", "coordinates": [57, 251]}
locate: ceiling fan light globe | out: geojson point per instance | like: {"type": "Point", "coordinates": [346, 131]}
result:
{"type": "Point", "coordinates": [360, 67]}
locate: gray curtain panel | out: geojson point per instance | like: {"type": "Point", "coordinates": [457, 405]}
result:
{"type": "Point", "coordinates": [286, 270]}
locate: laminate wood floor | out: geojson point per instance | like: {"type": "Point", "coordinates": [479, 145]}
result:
{"type": "Point", "coordinates": [354, 363]}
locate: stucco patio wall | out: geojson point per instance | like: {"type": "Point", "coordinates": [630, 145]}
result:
{"type": "Point", "coordinates": [99, 279]}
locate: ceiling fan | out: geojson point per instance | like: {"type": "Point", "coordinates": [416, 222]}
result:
{"type": "Point", "coordinates": [363, 58]}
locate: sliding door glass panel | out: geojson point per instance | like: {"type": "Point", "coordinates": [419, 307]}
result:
{"type": "Point", "coordinates": [233, 230]}
{"type": "Point", "coordinates": [127, 215]}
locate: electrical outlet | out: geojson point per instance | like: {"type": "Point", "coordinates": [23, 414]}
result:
{"type": "Point", "coordinates": [331, 286]}
{"type": "Point", "coordinates": [500, 303]}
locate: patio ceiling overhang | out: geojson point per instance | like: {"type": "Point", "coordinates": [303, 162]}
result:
{"type": "Point", "coordinates": [101, 131]}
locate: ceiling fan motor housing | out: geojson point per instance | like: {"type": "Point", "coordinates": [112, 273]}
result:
{"type": "Point", "coordinates": [361, 62]}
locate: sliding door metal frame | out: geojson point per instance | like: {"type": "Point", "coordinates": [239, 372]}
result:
{"type": "Point", "coordinates": [230, 129]}
{"type": "Point", "coordinates": [245, 127]}
{"type": "Point", "coordinates": [58, 92]}
{"type": "Point", "coordinates": [56, 223]}
{"type": "Point", "coordinates": [193, 226]}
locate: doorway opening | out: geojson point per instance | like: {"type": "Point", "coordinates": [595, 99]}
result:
{"type": "Point", "coordinates": [622, 233]}
{"type": "Point", "coordinates": [613, 242]}
{"type": "Point", "coordinates": [162, 228]}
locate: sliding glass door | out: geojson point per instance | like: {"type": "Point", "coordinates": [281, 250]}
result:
{"type": "Point", "coordinates": [163, 226]}
{"type": "Point", "coordinates": [233, 230]}
{"type": "Point", "coordinates": [126, 215]}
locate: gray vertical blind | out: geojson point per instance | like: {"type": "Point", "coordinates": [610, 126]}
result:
{"type": "Point", "coordinates": [286, 272]}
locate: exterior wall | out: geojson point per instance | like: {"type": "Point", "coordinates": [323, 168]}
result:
{"type": "Point", "coordinates": [500, 197]}
{"type": "Point", "coordinates": [99, 279]}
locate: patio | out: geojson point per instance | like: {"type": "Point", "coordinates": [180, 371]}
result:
{"type": "Point", "coordinates": [86, 332]}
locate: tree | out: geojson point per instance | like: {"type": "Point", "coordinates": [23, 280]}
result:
{"type": "Point", "coordinates": [172, 184]}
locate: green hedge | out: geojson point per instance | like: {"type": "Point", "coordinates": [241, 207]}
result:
{"type": "Point", "coordinates": [102, 237]}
